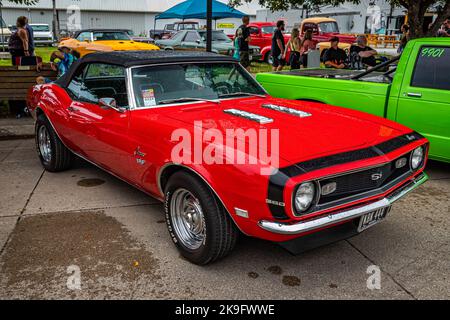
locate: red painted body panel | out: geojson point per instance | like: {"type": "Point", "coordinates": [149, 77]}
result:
{"type": "Point", "coordinates": [263, 40]}
{"type": "Point", "coordinates": [110, 140]}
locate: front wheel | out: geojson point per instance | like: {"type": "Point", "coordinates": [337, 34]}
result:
{"type": "Point", "coordinates": [52, 152]}
{"type": "Point", "coordinates": [199, 225]}
{"type": "Point", "coordinates": [269, 58]}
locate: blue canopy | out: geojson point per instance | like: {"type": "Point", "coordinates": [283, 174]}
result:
{"type": "Point", "coordinates": [196, 9]}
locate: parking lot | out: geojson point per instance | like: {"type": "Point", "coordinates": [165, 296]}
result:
{"type": "Point", "coordinates": [117, 238]}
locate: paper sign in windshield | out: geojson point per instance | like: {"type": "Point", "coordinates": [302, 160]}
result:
{"type": "Point", "coordinates": [149, 97]}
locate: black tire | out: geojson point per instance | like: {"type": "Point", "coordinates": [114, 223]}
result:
{"type": "Point", "coordinates": [268, 58]}
{"type": "Point", "coordinates": [59, 158]}
{"type": "Point", "coordinates": [221, 232]}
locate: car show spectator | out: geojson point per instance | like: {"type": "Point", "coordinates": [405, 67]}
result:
{"type": "Point", "coordinates": [237, 39]}
{"type": "Point", "coordinates": [278, 47]}
{"type": "Point", "coordinates": [30, 32]}
{"type": "Point", "coordinates": [18, 44]}
{"type": "Point", "coordinates": [444, 31]}
{"type": "Point", "coordinates": [335, 57]}
{"type": "Point", "coordinates": [244, 49]}
{"type": "Point", "coordinates": [404, 38]}
{"type": "Point", "coordinates": [293, 46]}
{"type": "Point", "coordinates": [66, 57]}
{"type": "Point", "coordinates": [306, 46]}
{"type": "Point", "coordinates": [361, 52]}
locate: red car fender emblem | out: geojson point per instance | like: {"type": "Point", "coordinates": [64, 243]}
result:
{"type": "Point", "coordinates": [276, 203]}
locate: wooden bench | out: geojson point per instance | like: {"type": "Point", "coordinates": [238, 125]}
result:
{"type": "Point", "coordinates": [15, 81]}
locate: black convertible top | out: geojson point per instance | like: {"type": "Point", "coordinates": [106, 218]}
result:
{"type": "Point", "coordinates": [141, 58]}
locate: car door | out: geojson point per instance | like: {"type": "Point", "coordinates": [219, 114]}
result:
{"type": "Point", "coordinates": [101, 133]}
{"type": "Point", "coordinates": [192, 39]}
{"type": "Point", "coordinates": [256, 37]}
{"type": "Point", "coordinates": [424, 101]}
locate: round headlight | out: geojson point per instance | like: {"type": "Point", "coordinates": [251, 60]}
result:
{"type": "Point", "coordinates": [417, 158]}
{"type": "Point", "coordinates": [304, 196]}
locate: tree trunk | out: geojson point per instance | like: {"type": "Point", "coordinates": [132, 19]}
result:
{"type": "Point", "coordinates": [55, 21]}
{"type": "Point", "coordinates": [416, 17]}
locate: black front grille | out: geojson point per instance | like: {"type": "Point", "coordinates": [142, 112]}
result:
{"type": "Point", "coordinates": [358, 182]}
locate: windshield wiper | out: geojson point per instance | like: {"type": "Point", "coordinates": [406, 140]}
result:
{"type": "Point", "coordinates": [187, 99]}
{"type": "Point", "coordinates": [232, 94]}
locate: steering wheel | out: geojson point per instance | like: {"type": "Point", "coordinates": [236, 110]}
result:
{"type": "Point", "coordinates": [223, 87]}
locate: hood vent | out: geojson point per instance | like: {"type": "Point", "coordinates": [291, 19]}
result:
{"type": "Point", "coordinates": [291, 111]}
{"type": "Point", "coordinates": [248, 115]}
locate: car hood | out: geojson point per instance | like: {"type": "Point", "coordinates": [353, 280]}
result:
{"type": "Point", "coordinates": [329, 130]}
{"type": "Point", "coordinates": [126, 45]}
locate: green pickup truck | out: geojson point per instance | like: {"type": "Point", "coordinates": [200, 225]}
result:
{"type": "Point", "coordinates": [413, 89]}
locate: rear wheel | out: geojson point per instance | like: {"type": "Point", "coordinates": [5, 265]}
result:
{"type": "Point", "coordinates": [52, 152]}
{"type": "Point", "coordinates": [199, 225]}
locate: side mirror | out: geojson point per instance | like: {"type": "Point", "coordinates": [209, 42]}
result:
{"type": "Point", "coordinates": [110, 103]}
{"type": "Point", "coordinates": [198, 41]}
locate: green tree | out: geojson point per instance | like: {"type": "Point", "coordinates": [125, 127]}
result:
{"type": "Point", "coordinates": [416, 10]}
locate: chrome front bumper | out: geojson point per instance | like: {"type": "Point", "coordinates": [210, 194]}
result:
{"type": "Point", "coordinates": [334, 218]}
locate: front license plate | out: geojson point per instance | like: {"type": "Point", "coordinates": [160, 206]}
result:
{"type": "Point", "coordinates": [372, 218]}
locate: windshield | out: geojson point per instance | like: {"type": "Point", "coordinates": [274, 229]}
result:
{"type": "Point", "coordinates": [102, 36]}
{"type": "Point", "coordinates": [158, 85]}
{"type": "Point", "coordinates": [216, 36]}
{"type": "Point", "coordinates": [187, 26]}
{"type": "Point", "coordinates": [268, 29]}
{"type": "Point", "coordinates": [40, 28]}
{"type": "Point", "coordinates": [328, 27]}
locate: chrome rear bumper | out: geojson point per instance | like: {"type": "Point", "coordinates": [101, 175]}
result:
{"type": "Point", "coordinates": [324, 221]}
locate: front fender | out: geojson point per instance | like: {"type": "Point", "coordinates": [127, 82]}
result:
{"type": "Point", "coordinates": [265, 51]}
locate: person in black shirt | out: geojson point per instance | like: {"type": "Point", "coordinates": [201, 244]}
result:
{"type": "Point", "coordinates": [335, 57]}
{"type": "Point", "coordinates": [278, 47]}
{"type": "Point", "coordinates": [244, 49]}
{"type": "Point", "coordinates": [30, 37]}
{"type": "Point", "coordinates": [363, 53]}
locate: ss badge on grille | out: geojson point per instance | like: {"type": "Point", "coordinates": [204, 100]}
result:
{"type": "Point", "coordinates": [400, 163]}
{"type": "Point", "coordinates": [377, 176]}
{"type": "Point", "coordinates": [329, 188]}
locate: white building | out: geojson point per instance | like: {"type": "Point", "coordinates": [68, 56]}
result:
{"type": "Point", "coordinates": [370, 16]}
{"type": "Point", "coordinates": [138, 15]}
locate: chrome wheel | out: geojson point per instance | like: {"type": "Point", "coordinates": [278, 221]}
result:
{"type": "Point", "coordinates": [45, 146]}
{"type": "Point", "coordinates": [187, 219]}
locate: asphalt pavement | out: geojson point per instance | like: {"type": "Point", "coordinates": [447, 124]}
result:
{"type": "Point", "coordinates": [85, 234]}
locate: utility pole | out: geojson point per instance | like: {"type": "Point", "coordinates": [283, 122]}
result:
{"type": "Point", "coordinates": [1, 27]}
{"type": "Point", "coordinates": [55, 21]}
{"type": "Point", "coordinates": [208, 25]}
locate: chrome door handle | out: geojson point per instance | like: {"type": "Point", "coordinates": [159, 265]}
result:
{"type": "Point", "coordinates": [414, 94]}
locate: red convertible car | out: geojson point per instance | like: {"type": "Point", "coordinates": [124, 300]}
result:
{"type": "Point", "coordinates": [193, 130]}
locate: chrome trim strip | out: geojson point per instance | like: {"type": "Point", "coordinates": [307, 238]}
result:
{"type": "Point", "coordinates": [287, 110]}
{"type": "Point", "coordinates": [249, 116]}
{"type": "Point", "coordinates": [305, 226]}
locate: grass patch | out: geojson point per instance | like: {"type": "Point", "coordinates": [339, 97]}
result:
{"type": "Point", "coordinates": [258, 67]}
{"type": "Point", "coordinates": [43, 52]}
